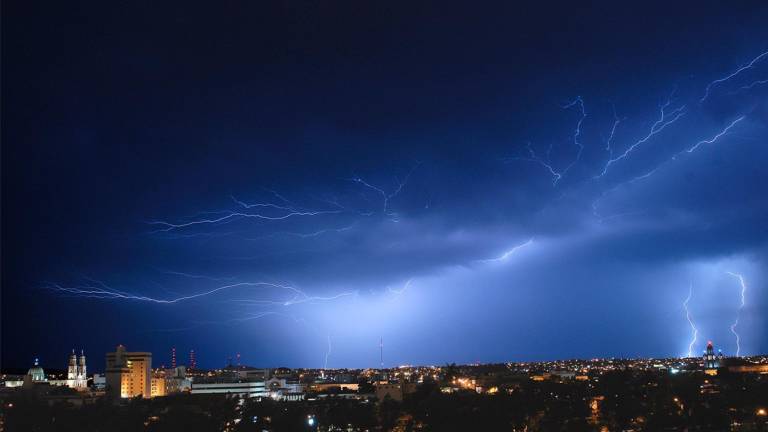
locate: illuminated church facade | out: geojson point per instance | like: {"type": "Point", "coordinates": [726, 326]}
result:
{"type": "Point", "coordinates": [76, 375]}
{"type": "Point", "coordinates": [76, 371]}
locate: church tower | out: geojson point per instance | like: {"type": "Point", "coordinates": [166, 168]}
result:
{"type": "Point", "coordinates": [76, 372]}
{"type": "Point", "coordinates": [72, 369]}
{"type": "Point", "coordinates": [82, 376]}
{"type": "Point", "coordinates": [710, 360]}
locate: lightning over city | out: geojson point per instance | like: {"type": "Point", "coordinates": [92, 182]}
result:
{"type": "Point", "coordinates": [742, 303]}
{"type": "Point", "coordinates": [694, 330]}
{"type": "Point", "coordinates": [327, 353]}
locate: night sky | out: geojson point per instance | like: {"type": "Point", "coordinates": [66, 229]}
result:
{"type": "Point", "coordinates": [295, 181]}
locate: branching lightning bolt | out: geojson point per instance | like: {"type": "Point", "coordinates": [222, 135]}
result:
{"type": "Point", "coordinates": [750, 86]}
{"type": "Point", "coordinates": [695, 331]}
{"type": "Point", "coordinates": [387, 197]}
{"type": "Point", "coordinates": [229, 217]}
{"type": "Point", "coordinates": [577, 133]}
{"type": "Point", "coordinates": [506, 255]}
{"type": "Point", "coordinates": [693, 148]}
{"type": "Point", "coordinates": [197, 276]}
{"type": "Point", "coordinates": [102, 291]}
{"type": "Point", "coordinates": [665, 119]}
{"type": "Point", "coordinates": [546, 161]}
{"type": "Point", "coordinates": [738, 314]}
{"type": "Point", "coordinates": [716, 137]}
{"type": "Point", "coordinates": [302, 297]}
{"type": "Point", "coordinates": [556, 176]}
{"type": "Point", "coordinates": [736, 72]}
{"type": "Point", "coordinates": [609, 141]}
{"type": "Point", "coordinates": [263, 205]}
{"type": "Point", "coordinates": [399, 292]}
{"type": "Point", "coordinates": [317, 233]}
{"type": "Point", "coordinates": [384, 195]}
{"type": "Point", "coordinates": [99, 290]}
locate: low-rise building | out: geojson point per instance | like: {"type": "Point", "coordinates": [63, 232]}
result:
{"type": "Point", "coordinates": [99, 382]}
{"type": "Point", "coordinates": [176, 380]}
{"type": "Point", "coordinates": [395, 391]}
{"type": "Point", "coordinates": [285, 389]}
{"type": "Point", "coordinates": [749, 368]}
{"type": "Point", "coordinates": [242, 389]}
{"type": "Point", "coordinates": [157, 385]}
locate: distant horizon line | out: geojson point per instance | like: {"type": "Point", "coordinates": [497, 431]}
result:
{"type": "Point", "coordinates": [4, 370]}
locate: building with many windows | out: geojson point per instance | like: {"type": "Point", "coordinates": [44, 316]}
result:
{"type": "Point", "coordinates": [176, 380]}
{"type": "Point", "coordinates": [157, 385]}
{"type": "Point", "coordinates": [128, 373]}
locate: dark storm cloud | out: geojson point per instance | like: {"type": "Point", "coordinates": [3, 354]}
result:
{"type": "Point", "coordinates": [107, 130]}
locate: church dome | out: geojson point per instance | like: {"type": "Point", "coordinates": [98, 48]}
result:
{"type": "Point", "coordinates": [36, 372]}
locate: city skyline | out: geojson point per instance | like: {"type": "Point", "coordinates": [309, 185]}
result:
{"type": "Point", "coordinates": [709, 358]}
{"type": "Point", "coordinates": [340, 187]}
{"type": "Point", "coordinates": [710, 392]}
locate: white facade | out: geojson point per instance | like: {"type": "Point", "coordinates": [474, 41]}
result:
{"type": "Point", "coordinates": [284, 390]}
{"type": "Point", "coordinates": [99, 381]}
{"type": "Point", "coordinates": [243, 389]}
{"type": "Point", "coordinates": [76, 375]}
